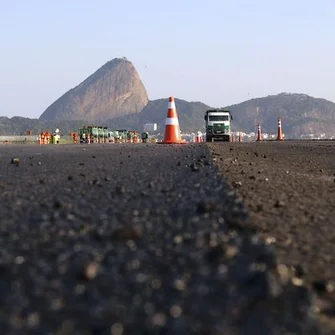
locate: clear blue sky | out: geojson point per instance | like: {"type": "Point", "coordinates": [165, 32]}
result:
{"type": "Point", "coordinates": [216, 51]}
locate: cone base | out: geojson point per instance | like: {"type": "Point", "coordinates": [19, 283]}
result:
{"type": "Point", "coordinates": [173, 142]}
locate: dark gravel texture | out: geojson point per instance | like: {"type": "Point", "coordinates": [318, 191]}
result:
{"type": "Point", "coordinates": [289, 190]}
{"type": "Point", "coordinates": [135, 239]}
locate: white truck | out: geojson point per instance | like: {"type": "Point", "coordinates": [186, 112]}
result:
{"type": "Point", "coordinates": [218, 125]}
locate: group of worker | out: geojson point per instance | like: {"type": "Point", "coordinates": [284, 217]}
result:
{"type": "Point", "coordinates": [46, 138]}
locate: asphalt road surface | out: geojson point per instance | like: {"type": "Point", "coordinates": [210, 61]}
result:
{"type": "Point", "coordinates": [289, 191]}
{"type": "Point", "coordinates": [150, 239]}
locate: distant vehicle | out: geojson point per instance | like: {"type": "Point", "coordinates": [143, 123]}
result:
{"type": "Point", "coordinates": [218, 125]}
{"type": "Point", "coordinates": [150, 127]}
{"type": "Point", "coordinates": [97, 134]}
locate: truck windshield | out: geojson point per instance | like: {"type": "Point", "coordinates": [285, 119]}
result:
{"type": "Point", "coordinates": [218, 118]}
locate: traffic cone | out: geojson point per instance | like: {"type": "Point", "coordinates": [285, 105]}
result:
{"type": "Point", "coordinates": [280, 132]}
{"type": "Point", "coordinates": [172, 129]}
{"type": "Point", "coordinates": [259, 134]}
{"type": "Point", "coordinates": [198, 137]}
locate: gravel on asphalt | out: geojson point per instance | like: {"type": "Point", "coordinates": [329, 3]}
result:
{"type": "Point", "coordinates": [135, 239]}
{"type": "Point", "coordinates": [289, 191]}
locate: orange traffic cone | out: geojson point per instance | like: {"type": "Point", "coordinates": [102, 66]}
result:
{"type": "Point", "coordinates": [259, 134]}
{"type": "Point", "coordinates": [172, 129]}
{"type": "Point", "coordinates": [198, 137]}
{"type": "Point", "coordinates": [280, 132]}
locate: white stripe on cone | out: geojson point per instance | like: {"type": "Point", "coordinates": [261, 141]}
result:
{"type": "Point", "coordinates": [172, 105]}
{"type": "Point", "coordinates": [171, 121]}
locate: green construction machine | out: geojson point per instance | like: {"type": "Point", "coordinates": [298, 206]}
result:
{"type": "Point", "coordinates": [94, 134]}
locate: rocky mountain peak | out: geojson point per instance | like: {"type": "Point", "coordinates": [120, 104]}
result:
{"type": "Point", "coordinates": [115, 89]}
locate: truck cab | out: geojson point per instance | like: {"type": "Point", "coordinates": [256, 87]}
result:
{"type": "Point", "coordinates": [218, 125]}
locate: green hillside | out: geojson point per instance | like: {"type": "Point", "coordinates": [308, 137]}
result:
{"type": "Point", "coordinates": [300, 113]}
{"type": "Point", "coordinates": [190, 116]}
